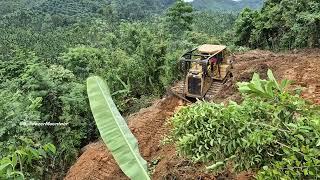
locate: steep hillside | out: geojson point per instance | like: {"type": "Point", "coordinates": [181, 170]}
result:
{"type": "Point", "coordinates": [149, 125]}
{"type": "Point", "coordinates": [230, 5]}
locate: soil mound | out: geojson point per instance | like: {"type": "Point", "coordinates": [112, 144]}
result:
{"type": "Point", "coordinates": [302, 67]}
{"type": "Point", "coordinates": [149, 124]}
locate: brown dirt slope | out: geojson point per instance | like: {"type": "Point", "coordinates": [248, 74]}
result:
{"type": "Point", "coordinates": [149, 127]}
{"type": "Point", "coordinates": [302, 67]}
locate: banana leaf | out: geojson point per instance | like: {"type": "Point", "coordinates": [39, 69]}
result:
{"type": "Point", "coordinates": [114, 130]}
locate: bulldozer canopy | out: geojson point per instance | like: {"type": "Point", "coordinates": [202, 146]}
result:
{"type": "Point", "coordinates": [211, 49]}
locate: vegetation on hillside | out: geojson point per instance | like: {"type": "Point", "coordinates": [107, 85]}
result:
{"type": "Point", "coordinates": [227, 5]}
{"type": "Point", "coordinates": [49, 47]}
{"type": "Point", "coordinates": [280, 24]}
{"type": "Point", "coordinates": [272, 132]}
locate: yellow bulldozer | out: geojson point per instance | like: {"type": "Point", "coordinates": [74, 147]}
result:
{"type": "Point", "coordinates": [205, 69]}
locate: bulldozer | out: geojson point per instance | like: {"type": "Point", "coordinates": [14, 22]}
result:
{"type": "Point", "coordinates": [205, 70]}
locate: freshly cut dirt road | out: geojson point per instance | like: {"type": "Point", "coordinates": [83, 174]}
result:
{"type": "Point", "coordinates": [149, 125]}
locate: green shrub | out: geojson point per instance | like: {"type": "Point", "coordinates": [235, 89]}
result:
{"type": "Point", "coordinates": [27, 161]}
{"type": "Point", "coordinates": [40, 94]}
{"type": "Point", "coordinates": [271, 131]}
{"type": "Point", "coordinates": [83, 61]}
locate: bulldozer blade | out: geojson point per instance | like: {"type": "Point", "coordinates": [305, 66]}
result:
{"type": "Point", "coordinates": [177, 95]}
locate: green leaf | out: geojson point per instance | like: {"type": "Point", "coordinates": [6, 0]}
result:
{"type": "Point", "coordinates": [5, 165]}
{"type": "Point", "coordinates": [284, 84]}
{"type": "Point", "coordinates": [300, 137]}
{"type": "Point", "coordinates": [211, 142]}
{"type": "Point", "coordinates": [114, 130]}
{"type": "Point", "coordinates": [295, 149]}
{"type": "Point", "coordinates": [215, 166]}
{"type": "Point", "coordinates": [272, 78]}
{"type": "Point", "coordinates": [17, 174]}
{"type": "Point", "coordinates": [269, 89]}
{"type": "Point", "coordinates": [243, 87]}
{"type": "Point", "coordinates": [50, 147]}
{"type": "Point", "coordinates": [42, 153]}
{"type": "Point", "coordinates": [257, 82]}
{"type": "Point", "coordinates": [258, 91]}
{"type": "Point", "coordinates": [318, 143]}
{"type": "Point", "coordinates": [21, 152]}
{"type": "Point", "coordinates": [14, 160]}
{"type": "Point", "coordinates": [35, 153]}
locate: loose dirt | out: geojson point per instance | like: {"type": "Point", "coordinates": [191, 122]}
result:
{"type": "Point", "coordinates": [302, 67]}
{"type": "Point", "coordinates": [149, 124]}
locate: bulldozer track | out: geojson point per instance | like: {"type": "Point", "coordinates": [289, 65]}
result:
{"type": "Point", "coordinates": [178, 90]}
{"type": "Point", "coordinates": [215, 88]}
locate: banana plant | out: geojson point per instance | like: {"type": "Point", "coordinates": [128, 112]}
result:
{"type": "Point", "coordinates": [263, 88]}
{"type": "Point", "coordinates": [114, 130]}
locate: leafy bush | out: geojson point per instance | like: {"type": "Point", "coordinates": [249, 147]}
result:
{"type": "Point", "coordinates": [27, 161]}
{"type": "Point", "coordinates": [271, 131]}
{"type": "Point", "coordinates": [83, 61]}
{"type": "Point", "coordinates": [264, 88]}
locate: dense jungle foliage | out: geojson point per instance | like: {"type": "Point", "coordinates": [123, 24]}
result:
{"type": "Point", "coordinates": [280, 24]}
{"type": "Point", "coordinates": [49, 47]}
{"type": "Point", "coordinates": [227, 5]}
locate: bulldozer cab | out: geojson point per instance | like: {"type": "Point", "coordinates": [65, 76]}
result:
{"type": "Point", "coordinates": [203, 56]}
{"type": "Point", "coordinates": [201, 66]}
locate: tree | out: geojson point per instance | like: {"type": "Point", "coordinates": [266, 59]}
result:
{"type": "Point", "coordinates": [280, 24]}
{"type": "Point", "coordinates": [244, 26]}
{"type": "Point", "coordinates": [180, 17]}
{"type": "Point", "coordinates": [83, 61]}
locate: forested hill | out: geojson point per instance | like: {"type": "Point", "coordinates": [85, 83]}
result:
{"type": "Point", "coordinates": [49, 47]}
{"type": "Point", "coordinates": [125, 9]}
{"type": "Point", "coordinates": [229, 5]}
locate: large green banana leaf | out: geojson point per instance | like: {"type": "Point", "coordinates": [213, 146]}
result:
{"type": "Point", "coordinates": [114, 130]}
